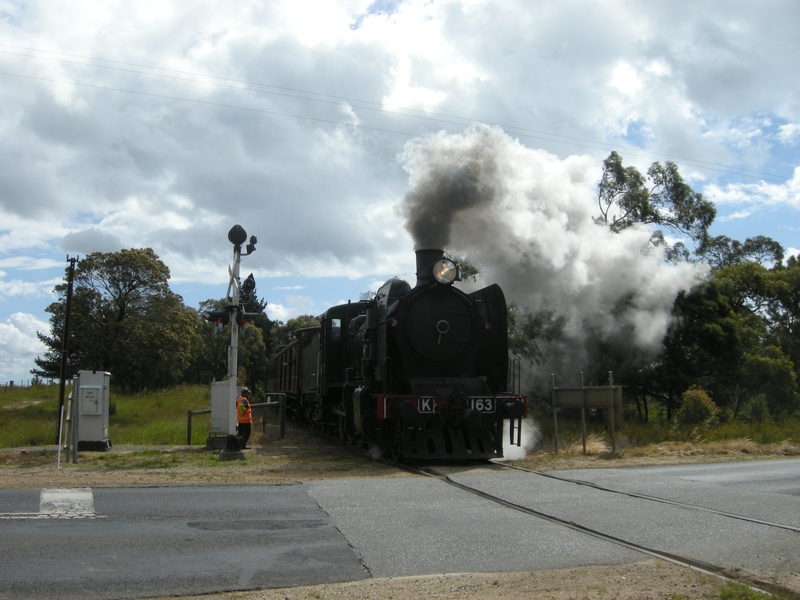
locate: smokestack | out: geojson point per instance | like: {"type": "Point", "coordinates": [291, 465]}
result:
{"type": "Point", "coordinates": [425, 261]}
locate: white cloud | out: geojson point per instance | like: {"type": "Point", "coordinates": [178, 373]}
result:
{"type": "Point", "coordinates": [28, 263]}
{"type": "Point", "coordinates": [625, 79]}
{"type": "Point", "coordinates": [761, 193]}
{"type": "Point", "coordinates": [789, 133]}
{"type": "Point", "coordinates": [25, 289]}
{"type": "Point", "coordinates": [293, 306]}
{"type": "Point", "coordinates": [300, 304]}
{"type": "Point", "coordinates": [269, 115]}
{"type": "Point", "coordinates": [19, 346]}
{"type": "Point", "coordinates": [740, 214]}
{"type": "Point", "coordinates": [278, 312]}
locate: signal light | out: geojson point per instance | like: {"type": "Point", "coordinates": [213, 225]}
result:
{"type": "Point", "coordinates": [243, 317]}
{"type": "Point", "coordinates": [220, 318]}
{"type": "Point", "coordinates": [251, 247]}
{"type": "Point", "coordinates": [218, 315]}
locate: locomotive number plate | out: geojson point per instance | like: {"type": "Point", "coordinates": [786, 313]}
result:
{"type": "Point", "coordinates": [484, 405]}
{"type": "Point", "coordinates": [426, 405]}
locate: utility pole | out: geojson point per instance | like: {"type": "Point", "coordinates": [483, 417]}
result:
{"type": "Point", "coordinates": [65, 346]}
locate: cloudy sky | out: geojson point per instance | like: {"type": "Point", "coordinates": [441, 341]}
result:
{"type": "Point", "coordinates": [162, 124]}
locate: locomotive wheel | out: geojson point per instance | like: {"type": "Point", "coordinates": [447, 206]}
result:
{"type": "Point", "coordinates": [342, 427]}
{"type": "Point", "coordinates": [397, 442]}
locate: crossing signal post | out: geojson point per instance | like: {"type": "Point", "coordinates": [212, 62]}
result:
{"type": "Point", "coordinates": [234, 313]}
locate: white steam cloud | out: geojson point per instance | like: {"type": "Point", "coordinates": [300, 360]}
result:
{"type": "Point", "coordinates": [529, 438]}
{"type": "Point", "coordinates": [526, 217]}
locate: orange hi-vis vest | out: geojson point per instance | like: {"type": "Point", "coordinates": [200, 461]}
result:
{"type": "Point", "coordinates": [244, 413]}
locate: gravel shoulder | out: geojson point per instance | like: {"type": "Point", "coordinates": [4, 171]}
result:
{"type": "Point", "coordinates": [304, 456]}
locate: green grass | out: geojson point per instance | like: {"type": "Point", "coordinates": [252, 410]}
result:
{"type": "Point", "coordinates": [156, 459]}
{"type": "Point", "coordinates": [739, 591]}
{"type": "Point", "coordinates": [159, 418]}
{"type": "Point", "coordinates": [768, 432]}
{"type": "Point", "coordinates": [28, 416]}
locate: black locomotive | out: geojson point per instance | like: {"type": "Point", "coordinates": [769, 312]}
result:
{"type": "Point", "coordinates": [421, 373]}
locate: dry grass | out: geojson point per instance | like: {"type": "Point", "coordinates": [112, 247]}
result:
{"type": "Point", "coordinates": [742, 446]}
{"type": "Point", "coordinates": [595, 445]}
{"type": "Point", "coordinates": [599, 455]}
{"type": "Point", "coordinates": [302, 456]}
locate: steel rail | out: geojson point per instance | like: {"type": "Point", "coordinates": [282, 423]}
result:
{"type": "Point", "coordinates": [656, 499]}
{"type": "Point", "coordinates": [695, 565]}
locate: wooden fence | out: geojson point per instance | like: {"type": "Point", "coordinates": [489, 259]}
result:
{"type": "Point", "coordinates": [10, 386]}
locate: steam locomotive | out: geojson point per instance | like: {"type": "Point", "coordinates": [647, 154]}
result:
{"type": "Point", "coordinates": [421, 373]}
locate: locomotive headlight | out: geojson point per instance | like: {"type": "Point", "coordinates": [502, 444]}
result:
{"type": "Point", "coordinates": [445, 271]}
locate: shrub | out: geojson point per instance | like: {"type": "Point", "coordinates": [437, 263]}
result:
{"type": "Point", "coordinates": [697, 408]}
{"type": "Point", "coordinates": [756, 410]}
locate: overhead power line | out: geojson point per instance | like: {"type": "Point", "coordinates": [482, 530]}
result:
{"type": "Point", "coordinates": [312, 96]}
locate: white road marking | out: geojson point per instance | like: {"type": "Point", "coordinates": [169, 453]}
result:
{"type": "Point", "coordinates": [61, 503]}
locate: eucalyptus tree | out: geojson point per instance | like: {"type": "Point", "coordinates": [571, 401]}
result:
{"type": "Point", "coordinates": [722, 251]}
{"type": "Point", "coordinates": [124, 320]}
{"type": "Point", "coordinates": [661, 199]}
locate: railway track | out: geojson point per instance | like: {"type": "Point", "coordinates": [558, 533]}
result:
{"type": "Point", "coordinates": [660, 500]}
{"type": "Point", "coordinates": [723, 573]}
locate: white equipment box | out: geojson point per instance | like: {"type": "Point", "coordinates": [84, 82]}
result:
{"type": "Point", "coordinates": [92, 393]}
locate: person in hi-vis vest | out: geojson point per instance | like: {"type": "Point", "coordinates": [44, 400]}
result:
{"type": "Point", "coordinates": [244, 417]}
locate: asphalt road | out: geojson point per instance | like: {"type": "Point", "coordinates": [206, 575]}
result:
{"type": "Point", "coordinates": [135, 542]}
{"type": "Point", "coordinates": [169, 541]}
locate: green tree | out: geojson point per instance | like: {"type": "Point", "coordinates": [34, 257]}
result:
{"type": "Point", "coordinates": [735, 335]}
{"type": "Point", "coordinates": [125, 320]}
{"type": "Point", "coordinates": [531, 333]}
{"type": "Point", "coordinates": [254, 305]}
{"type": "Point", "coordinates": [662, 199]}
{"type": "Point", "coordinates": [211, 361]}
{"type": "Point", "coordinates": [283, 333]}
{"type": "Point", "coordinates": [765, 301]}
{"type": "Point", "coordinates": [784, 310]}
{"type": "Point", "coordinates": [769, 372]}
{"type": "Point", "coordinates": [702, 346]}
{"type": "Point", "coordinates": [722, 251]}
{"type": "Point", "coordinates": [252, 356]}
